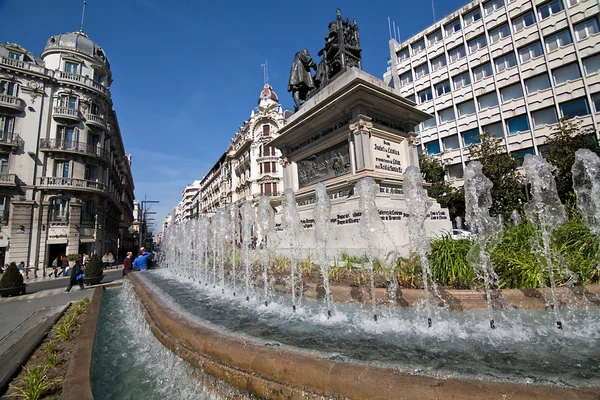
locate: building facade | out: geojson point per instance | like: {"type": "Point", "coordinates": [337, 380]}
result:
{"type": "Point", "coordinates": [65, 180]}
{"type": "Point", "coordinates": [511, 68]}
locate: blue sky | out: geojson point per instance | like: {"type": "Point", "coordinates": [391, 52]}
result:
{"type": "Point", "coordinates": [187, 73]}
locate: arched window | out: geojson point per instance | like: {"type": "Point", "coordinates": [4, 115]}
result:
{"type": "Point", "coordinates": [59, 209]}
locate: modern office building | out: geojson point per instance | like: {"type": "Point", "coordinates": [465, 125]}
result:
{"type": "Point", "coordinates": [65, 180]}
{"type": "Point", "coordinates": [512, 68]}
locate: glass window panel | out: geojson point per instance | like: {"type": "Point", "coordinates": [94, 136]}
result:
{"type": "Point", "coordinates": [465, 108]}
{"type": "Point", "coordinates": [547, 9]}
{"type": "Point", "coordinates": [487, 100]}
{"type": "Point", "coordinates": [456, 171]}
{"type": "Point", "coordinates": [450, 142]}
{"type": "Point", "coordinates": [531, 51]}
{"type": "Point", "coordinates": [71, 67]}
{"type": "Point", "coordinates": [567, 73]}
{"type": "Point", "coordinates": [523, 21]}
{"type": "Point", "coordinates": [492, 5]}
{"type": "Point", "coordinates": [591, 65]}
{"type": "Point", "coordinates": [482, 71]}
{"type": "Point", "coordinates": [446, 114]}
{"type": "Point", "coordinates": [544, 116]}
{"type": "Point", "coordinates": [557, 40]}
{"type": "Point", "coordinates": [418, 47]}
{"type": "Point", "coordinates": [571, 3]}
{"type": "Point", "coordinates": [442, 88]}
{"type": "Point", "coordinates": [403, 55]}
{"type": "Point", "coordinates": [575, 108]}
{"type": "Point", "coordinates": [457, 53]}
{"type": "Point", "coordinates": [472, 16]}
{"type": "Point", "coordinates": [475, 44]}
{"type": "Point", "coordinates": [517, 124]}
{"type": "Point", "coordinates": [425, 95]}
{"type": "Point", "coordinates": [586, 28]}
{"type": "Point", "coordinates": [519, 155]}
{"type": "Point", "coordinates": [539, 82]}
{"type": "Point", "coordinates": [406, 78]}
{"type": "Point", "coordinates": [495, 129]}
{"type": "Point", "coordinates": [461, 80]}
{"type": "Point", "coordinates": [470, 137]}
{"type": "Point", "coordinates": [421, 71]}
{"type": "Point", "coordinates": [434, 37]}
{"type": "Point", "coordinates": [596, 101]}
{"type": "Point", "coordinates": [429, 123]}
{"type": "Point", "coordinates": [499, 33]}
{"type": "Point", "coordinates": [438, 62]}
{"type": "Point", "coordinates": [433, 147]}
{"type": "Point", "coordinates": [511, 92]}
{"type": "Point", "coordinates": [505, 62]}
{"type": "Point", "coordinates": [452, 27]}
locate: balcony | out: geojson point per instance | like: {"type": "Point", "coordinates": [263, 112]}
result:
{"type": "Point", "coordinates": [66, 114]}
{"type": "Point", "coordinates": [267, 158]}
{"type": "Point", "coordinates": [11, 104]}
{"type": "Point", "coordinates": [95, 121]}
{"type": "Point", "coordinates": [57, 145]}
{"type": "Point", "coordinates": [10, 141]}
{"type": "Point", "coordinates": [81, 80]}
{"type": "Point", "coordinates": [54, 182]}
{"type": "Point", "coordinates": [8, 180]}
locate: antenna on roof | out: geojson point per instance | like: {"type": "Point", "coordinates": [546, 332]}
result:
{"type": "Point", "coordinates": [433, 10]}
{"type": "Point", "coordinates": [82, 16]}
{"type": "Point", "coordinates": [390, 27]}
{"type": "Point", "coordinates": [394, 23]}
{"type": "Point", "coordinates": [399, 39]}
{"type": "Point", "coordinates": [266, 71]}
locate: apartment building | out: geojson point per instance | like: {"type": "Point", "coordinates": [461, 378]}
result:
{"type": "Point", "coordinates": [511, 68]}
{"type": "Point", "coordinates": [65, 180]}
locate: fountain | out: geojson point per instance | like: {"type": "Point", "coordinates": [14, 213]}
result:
{"type": "Point", "coordinates": [292, 231]}
{"type": "Point", "coordinates": [248, 220]}
{"type": "Point", "coordinates": [322, 227]}
{"type": "Point", "coordinates": [487, 230]}
{"type": "Point", "coordinates": [266, 229]}
{"type": "Point", "coordinates": [586, 183]}
{"type": "Point", "coordinates": [232, 237]}
{"type": "Point", "coordinates": [545, 210]}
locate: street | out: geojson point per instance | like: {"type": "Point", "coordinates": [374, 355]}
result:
{"type": "Point", "coordinates": [39, 284]}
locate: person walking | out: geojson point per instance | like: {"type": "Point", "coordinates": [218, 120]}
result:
{"type": "Point", "coordinates": [76, 277]}
{"type": "Point", "coordinates": [110, 259]}
{"type": "Point", "coordinates": [127, 263]}
{"type": "Point", "coordinates": [56, 264]}
{"type": "Point", "coordinates": [141, 262]}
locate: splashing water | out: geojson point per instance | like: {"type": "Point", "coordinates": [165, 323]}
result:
{"type": "Point", "coordinates": [292, 230]}
{"type": "Point", "coordinates": [487, 230]}
{"type": "Point", "coordinates": [322, 213]}
{"type": "Point", "coordinates": [266, 229]}
{"type": "Point", "coordinates": [586, 183]}
{"type": "Point", "coordinates": [234, 222]}
{"type": "Point", "coordinates": [545, 210]}
{"type": "Point", "coordinates": [248, 220]}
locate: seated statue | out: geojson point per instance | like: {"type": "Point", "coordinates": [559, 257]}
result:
{"type": "Point", "coordinates": [301, 81]}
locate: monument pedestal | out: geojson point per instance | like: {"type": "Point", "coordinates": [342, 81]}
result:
{"type": "Point", "coordinates": [354, 127]}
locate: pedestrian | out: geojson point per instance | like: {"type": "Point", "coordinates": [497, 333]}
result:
{"type": "Point", "coordinates": [65, 265]}
{"type": "Point", "coordinates": [141, 262]}
{"type": "Point", "coordinates": [21, 268]}
{"type": "Point", "coordinates": [127, 263]}
{"type": "Point", "coordinates": [110, 259]}
{"type": "Point", "coordinates": [105, 261]}
{"type": "Point", "coordinates": [84, 260]}
{"type": "Point", "coordinates": [76, 277]}
{"type": "Point", "coordinates": [56, 264]}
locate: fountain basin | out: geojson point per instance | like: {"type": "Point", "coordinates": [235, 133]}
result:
{"type": "Point", "coordinates": [279, 372]}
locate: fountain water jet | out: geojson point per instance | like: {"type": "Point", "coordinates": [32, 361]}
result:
{"type": "Point", "coordinates": [586, 183]}
{"type": "Point", "coordinates": [322, 213]}
{"type": "Point", "coordinates": [487, 230]}
{"type": "Point", "coordinates": [292, 230]}
{"type": "Point", "coordinates": [266, 229]}
{"type": "Point", "coordinates": [545, 210]}
{"type": "Point", "coordinates": [234, 221]}
{"type": "Point", "coordinates": [248, 220]}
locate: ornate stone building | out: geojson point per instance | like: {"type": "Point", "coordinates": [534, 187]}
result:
{"type": "Point", "coordinates": [65, 180]}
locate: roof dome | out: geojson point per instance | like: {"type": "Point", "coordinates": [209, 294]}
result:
{"type": "Point", "coordinates": [77, 42]}
{"type": "Point", "coordinates": [268, 94]}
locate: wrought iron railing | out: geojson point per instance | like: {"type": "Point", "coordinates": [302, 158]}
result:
{"type": "Point", "coordinates": [83, 80]}
{"type": "Point", "coordinates": [79, 147]}
{"type": "Point", "coordinates": [56, 181]}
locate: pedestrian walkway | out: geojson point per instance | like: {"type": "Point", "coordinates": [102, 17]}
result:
{"type": "Point", "coordinates": [44, 278]}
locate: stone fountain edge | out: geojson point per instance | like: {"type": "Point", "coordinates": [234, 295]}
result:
{"type": "Point", "coordinates": [276, 373]}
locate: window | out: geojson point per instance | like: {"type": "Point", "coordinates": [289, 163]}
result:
{"type": "Point", "coordinates": [569, 72]}
{"type": "Point", "coordinates": [88, 211]}
{"type": "Point", "coordinates": [98, 77]}
{"type": "Point", "coordinates": [519, 155]}
{"type": "Point", "coordinates": [557, 40]}
{"type": "Point", "coordinates": [471, 137]}
{"type": "Point", "coordinates": [571, 3]}
{"type": "Point", "coordinates": [95, 109]}
{"type": "Point", "coordinates": [487, 100]}
{"type": "Point", "coordinates": [456, 171]}
{"type": "Point", "coordinates": [450, 142]}
{"type": "Point", "coordinates": [4, 207]}
{"type": "Point", "coordinates": [268, 188]}
{"type": "Point", "coordinates": [457, 53]}
{"type": "Point", "coordinates": [547, 9]}
{"type": "Point", "coordinates": [434, 37]}
{"type": "Point", "coordinates": [65, 137]}
{"type": "Point", "coordinates": [406, 78]}
{"type": "Point", "coordinates": [574, 108]}
{"type": "Point", "coordinates": [62, 169]}
{"type": "Point", "coordinates": [586, 28]}
{"type": "Point", "coordinates": [429, 123]}
{"type": "Point", "coordinates": [523, 21]}
{"type": "Point", "coordinates": [465, 108]}
{"type": "Point", "coordinates": [4, 164]}
{"type": "Point", "coordinates": [268, 167]}
{"type": "Point", "coordinates": [517, 124]}
{"type": "Point", "coordinates": [442, 88]}
{"type": "Point", "coordinates": [538, 82]}
{"type": "Point", "coordinates": [68, 102]}
{"type": "Point", "coordinates": [492, 5]}
{"type": "Point", "coordinates": [425, 95]}
{"type": "Point", "coordinates": [482, 71]}
{"type": "Point", "coordinates": [461, 80]}
{"type": "Point", "coordinates": [499, 33]}
{"type": "Point", "coordinates": [591, 65]}
{"type": "Point", "coordinates": [472, 16]}
{"type": "Point", "coordinates": [596, 101]}
{"type": "Point", "coordinates": [418, 47]}
{"type": "Point", "coordinates": [511, 92]}
{"type": "Point", "coordinates": [452, 27]}
{"type": "Point", "coordinates": [7, 126]}
{"type": "Point", "coordinates": [421, 71]}
{"type": "Point", "coordinates": [505, 62]}
{"type": "Point", "coordinates": [71, 68]}
{"type": "Point", "coordinates": [266, 130]}
{"type": "Point", "coordinates": [268, 151]}
{"type": "Point", "coordinates": [402, 54]}
{"type": "Point", "coordinates": [433, 147]}
{"type": "Point", "coordinates": [9, 88]}
{"type": "Point", "coordinates": [544, 116]}
{"type": "Point", "coordinates": [531, 51]}
{"type": "Point", "coordinates": [438, 62]}
{"type": "Point", "coordinates": [89, 173]}
{"type": "Point", "coordinates": [411, 98]}
{"type": "Point", "coordinates": [14, 56]}
{"type": "Point", "coordinates": [59, 209]}
{"type": "Point", "coordinates": [475, 44]}
{"type": "Point", "coordinates": [446, 115]}
{"type": "Point", "coordinates": [495, 130]}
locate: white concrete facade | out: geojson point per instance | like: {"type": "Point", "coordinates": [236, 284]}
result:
{"type": "Point", "coordinates": [510, 68]}
{"type": "Point", "coordinates": [65, 181]}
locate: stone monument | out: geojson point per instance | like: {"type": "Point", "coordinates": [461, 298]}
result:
{"type": "Point", "coordinates": [349, 126]}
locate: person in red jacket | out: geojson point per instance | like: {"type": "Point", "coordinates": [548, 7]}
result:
{"type": "Point", "coordinates": [127, 263]}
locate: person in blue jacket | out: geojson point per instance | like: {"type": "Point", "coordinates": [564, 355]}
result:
{"type": "Point", "coordinates": [141, 261]}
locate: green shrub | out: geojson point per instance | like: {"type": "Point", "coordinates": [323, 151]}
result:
{"type": "Point", "coordinates": [73, 257]}
{"type": "Point", "coordinates": [408, 271]}
{"type": "Point", "coordinates": [11, 277]}
{"type": "Point", "coordinates": [514, 262]}
{"type": "Point", "coordinates": [63, 331]}
{"type": "Point", "coordinates": [448, 262]}
{"type": "Point", "coordinates": [93, 267]}
{"type": "Point", "coordinates": [34, 385]}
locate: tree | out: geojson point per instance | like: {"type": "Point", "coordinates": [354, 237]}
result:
{"type": "Point", "coordinates": [508, 192]}
{"type": "Point", "coordinates": [448, 196]}
{"type": "Point", "coordinates": [567, 137]}
{"type": "Point", "coordinates": [11, 277]}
